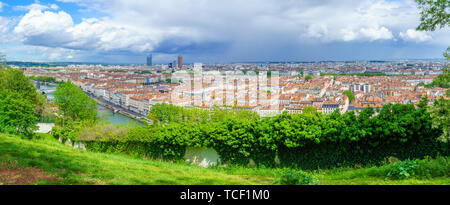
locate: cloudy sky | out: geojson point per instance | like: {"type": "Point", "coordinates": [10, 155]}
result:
{"type": "Point", "coordinates": [124, 31]}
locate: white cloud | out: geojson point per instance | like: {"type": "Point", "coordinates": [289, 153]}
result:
{"type": "Point", "coordinates": [345, 20]}
{"type": "Point", "coordinates": [1, 6]}
{"type": "Point", "coordinates": [57, 29]}
{"type": "Point", "coordinates": [317, 31]}
{"type": "Point", "coordinates": [348, 34]}
{"type": "Point", "coordinates": [376, 33]}
{"type": "Point", "coordinates": [5, 27]}
{"type": "Point", "coordinates": [35, 6]}
{"type": "Point", "coordinates": [413, 35]}
{"type": "Point", "coordinates": [169, 26]}
{"type": "Point", "coordinates": [54, 7]}
{"type": "Point", "coordinates": [36, 22]}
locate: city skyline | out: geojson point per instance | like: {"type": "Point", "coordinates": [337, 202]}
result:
{"type": "Point", "coordinates": [267, 31]}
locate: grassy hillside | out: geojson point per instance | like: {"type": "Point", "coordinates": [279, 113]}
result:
{"type": "Point", "coordinates": [82, 167]}
{"type": "Point", "coordinates": [46, 161]}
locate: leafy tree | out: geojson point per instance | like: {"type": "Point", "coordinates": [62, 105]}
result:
{"type": "Point", "coordinates": [350, 95]}
{"type": "Point", "coordinates": [308, 77]}
{"type": "Point", "coordinates": [44, 109]}
{"type": "Point", "coordinates": [13, 80]}
{"type": "Point", "coordinates": [18, 101]}
{"type": "Point", "coordinates": [44, 78]}
{"type": "Point", "coordinates": [74, 103]}
{"type": "Point", "coordinates": [440, 112]}
{"type": "Point", "coordinates": [166, 113]}
{"type": "Point", "coordinates": [434, 14]}
{"type": "Point", "coordinates": [16, 114]}
{"type": "Point", "coordinates": [443, 80]}
{"type": "Point", "coordinates": [310, 110]}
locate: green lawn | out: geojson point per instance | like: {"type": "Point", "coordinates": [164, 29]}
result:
{"type": "Point", "coordinates": [73, 166]}
{"type": "Point", "coordinates": [82, 167]}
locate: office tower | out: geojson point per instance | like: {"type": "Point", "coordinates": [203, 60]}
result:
{"type": "Point", "coordinates": [149, 60]}
{"type": "Point", "coordinates": [180, 62]}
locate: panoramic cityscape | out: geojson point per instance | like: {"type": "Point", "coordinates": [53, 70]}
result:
{"type": "Point", "coordinates": [193, 92]}
{"type": "Point", "coordinates": [268, 89]}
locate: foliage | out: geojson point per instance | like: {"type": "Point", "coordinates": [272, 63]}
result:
{"type": "Point", "coordinates": [440, 112]}
{"type": "Point", "coordinates": [44, 79]}
{"type": "Point", "coordinates": [18, 102]}
{"type": "Point", "coordinates": [355, 74]}
{"type": "Point", "coordinates": [401, 170]}
{"type": "Point", "coordinates": [310, 110]}
{"type": "Point", "coordinates": [296, 178]}
{"type": "Point", "coordinates": [103, 131]}
{"type": "Point", "coordinates": [75, 166]}
{"type": "Point", "coordinates": [350, 95]}
{"type": "Point", "coordinates": [434, 14]}
{"type": "Point", "coordinates": [299, 76]}
{"type": "Point", "coordinates": [13, 80]}
{"type": "Point", "coordinates": [310, 140]}
{"type": "Point", "coordinates": [16, 114]}
{"type": "Point", "coordinates": [429, 168]}
{"type": "Point", "coordinates": [143, 72]}
{"type": "Point", "coordinates": [117, 71]}
{"type": "Point", "coordinates": [308, 77]}
{"type": "Point", "coordinates": [442, 80]}
{"type": "Point", "coordinates": [70, 129]}
{"type": "Point", "coordinates": [74, 103]}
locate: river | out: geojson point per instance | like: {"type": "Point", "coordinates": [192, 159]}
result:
{"type": "Point", "coordinates": [103, 115]}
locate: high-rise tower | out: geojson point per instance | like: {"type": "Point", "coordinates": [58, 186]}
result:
{"type": "Point", "coordinates": [149, 60]}
{"type": "Point", "coordinates": [180, 61]}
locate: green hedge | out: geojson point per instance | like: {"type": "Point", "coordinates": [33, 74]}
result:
{"type": "Point", "coordinates": [307, 141]}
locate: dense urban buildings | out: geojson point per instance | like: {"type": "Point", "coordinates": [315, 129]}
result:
{"type": "Point", "coordinates": [268, 89]}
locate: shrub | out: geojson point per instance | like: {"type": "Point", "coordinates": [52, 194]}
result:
{"type": "Point", "coordinates": [104, 132]}
{"type": "Point", "coordinates": [401, 170]}
{"type": "Point", "coordinates": [296, 178]}
{"type": "Point", "coordinates": [427, 168]}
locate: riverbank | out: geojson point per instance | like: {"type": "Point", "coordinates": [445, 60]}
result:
{"type": "Point", "coordinates": [45, 83]}
{"type": "Point", "coordinates": [139, 118]}
{"type": "Point", "coordinates": [121, 117]}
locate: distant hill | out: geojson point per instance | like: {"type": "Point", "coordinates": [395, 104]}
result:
{"type": "Point", "coordinates": [53, 64]}
{"type": "Point", "coordinates": [42, 64]}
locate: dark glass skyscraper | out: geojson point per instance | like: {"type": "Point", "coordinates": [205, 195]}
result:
{"type": "Point", "coordinates": [149, 60]}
